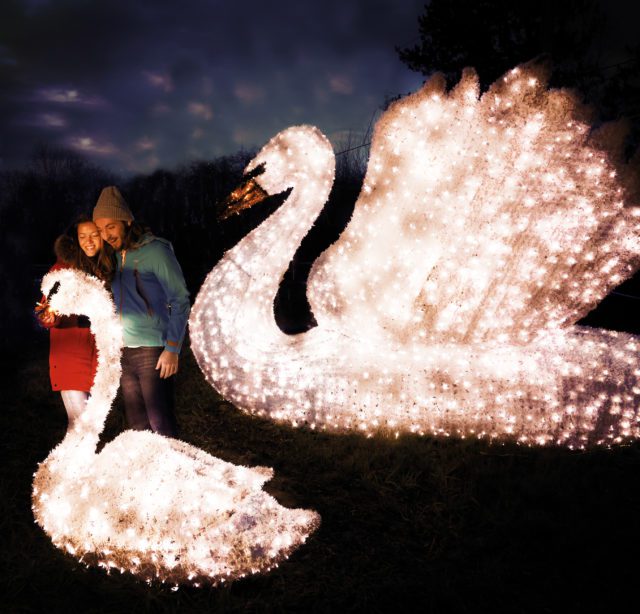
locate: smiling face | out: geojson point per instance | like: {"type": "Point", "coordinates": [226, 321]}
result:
{"type": "Point", "coordinates": [89, 238]}
{"type": "Point", "coordinates": [112, 231]}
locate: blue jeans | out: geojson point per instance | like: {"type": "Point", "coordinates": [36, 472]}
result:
{"type": "Point", "coordinates": [148, 400]}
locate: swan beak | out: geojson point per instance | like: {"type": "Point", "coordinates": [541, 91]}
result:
{"type": "Point", "coordinates": [248, 194]}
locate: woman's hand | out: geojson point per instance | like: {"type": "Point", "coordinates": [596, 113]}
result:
{"type": "Point", "coordinates": [46, 316]}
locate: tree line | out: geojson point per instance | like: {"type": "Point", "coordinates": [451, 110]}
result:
{"type": "Point", "coordinates": [575, 37]}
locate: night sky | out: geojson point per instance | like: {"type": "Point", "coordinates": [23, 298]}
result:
{"type": "Point", "coordinates": [135, 86]}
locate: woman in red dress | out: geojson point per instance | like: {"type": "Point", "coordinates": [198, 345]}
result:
{"type": "Point", "coordinates": [72, 354]}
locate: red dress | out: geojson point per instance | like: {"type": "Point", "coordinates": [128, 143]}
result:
{"type": "Point", "coordinates": [73, 358]}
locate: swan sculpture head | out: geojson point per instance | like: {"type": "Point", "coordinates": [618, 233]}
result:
{"type": "Point", "coordinates": [299, 157]}
{"type": "Point", "coordinates": [487, 226]}
{"type": "Point", "coordinates": [151, 505]}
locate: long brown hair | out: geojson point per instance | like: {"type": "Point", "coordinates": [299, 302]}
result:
{"type": "Point", "coordinates": [133, 235]}
{"type": "Point", "coordinates": [102, 265]}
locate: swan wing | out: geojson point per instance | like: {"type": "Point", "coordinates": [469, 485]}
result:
{"type": "Point", "coordinates": [143, 449]}
{"type": "Point", "coordinates": [492, 217]}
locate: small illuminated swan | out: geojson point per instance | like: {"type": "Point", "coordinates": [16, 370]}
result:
{"type": "Point", "coordinates": [154, 506]}
{"type": "Point", "coordinates": [487, 226]}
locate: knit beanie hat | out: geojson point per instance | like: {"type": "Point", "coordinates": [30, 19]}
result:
{"type": "Point", "coordinates": [112, 206]}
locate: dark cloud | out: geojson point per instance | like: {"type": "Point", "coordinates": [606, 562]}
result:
{"type": "Point", "coordinates": [161, 81]}
{"type": "Point", "coordinates": [137, 84]}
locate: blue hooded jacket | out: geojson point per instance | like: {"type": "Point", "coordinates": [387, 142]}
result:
{"type": "Point", "coordinates": [151, 295]}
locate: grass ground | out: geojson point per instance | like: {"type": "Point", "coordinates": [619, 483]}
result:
{"type": "Point", "coordinates": [408, 525]}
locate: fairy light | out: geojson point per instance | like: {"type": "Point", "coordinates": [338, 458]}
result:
{"type": "Point", "coordinates": [156, 507]}
{"type": "Point", "coordinates": [486, 227]}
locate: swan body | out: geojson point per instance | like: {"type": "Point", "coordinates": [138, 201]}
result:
{"type": "Point", "coordinates": [486, 227]}
{"type": "Point", "coordinates": [155, 506]}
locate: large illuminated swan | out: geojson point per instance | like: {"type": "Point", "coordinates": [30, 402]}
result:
{"type": "Point", "coordinates": [155, 506]}
{"type": "Point", "coordinates": [486, 227]}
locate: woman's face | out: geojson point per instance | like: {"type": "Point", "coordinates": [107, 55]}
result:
{"type": "Point", "coordinates": [89, 238]}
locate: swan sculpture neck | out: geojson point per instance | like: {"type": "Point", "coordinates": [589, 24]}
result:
{"type": "Point", "coordinates": [80, 442]}
{"type": "Point", "coordinates": [300, 159]}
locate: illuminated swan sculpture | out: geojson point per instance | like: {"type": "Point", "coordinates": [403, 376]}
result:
{"type": "Point", "coordinates": [486, 227]}
{"type": "Point", "coordinates": [155, 506]}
